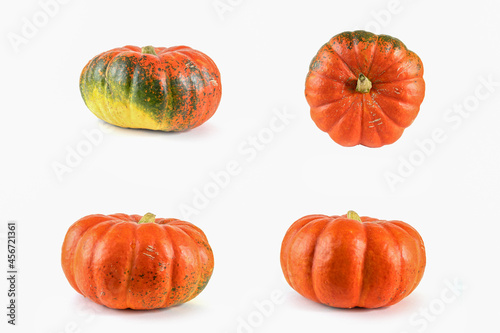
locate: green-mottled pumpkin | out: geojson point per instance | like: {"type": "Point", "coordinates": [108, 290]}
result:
{"type": "Point", "coordinates": [157, 88]}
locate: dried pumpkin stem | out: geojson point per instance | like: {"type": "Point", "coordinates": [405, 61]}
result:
{"type": "Point", "coordinates": [148, 218]}
{"type": "Point", "coordinates": [364, 85]}
{"type": "Point", "coordinates": [148, 50]}
{"type": "Point", "coordinates": [353, 216]}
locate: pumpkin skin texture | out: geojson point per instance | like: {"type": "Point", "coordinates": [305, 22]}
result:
{"type": "Point", "coordinates": [166, 89]}
{"type": "Point", "coordinates": [135, 262]}
{"type": "Point", "coordinates": [347, 261]}
{"type": "Point", "coordinates": [364, 89]}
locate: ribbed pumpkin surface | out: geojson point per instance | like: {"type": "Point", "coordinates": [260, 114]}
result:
{"type": "Point", "coordinates": [117, 262]}
{"type": "Point", "coordinates": [364, 89]}
{"type": "Point", "coordinates": [346, 263]}
{"type": "Point", "coordinates": [167, 89]}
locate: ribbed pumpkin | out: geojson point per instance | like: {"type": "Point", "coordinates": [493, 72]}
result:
{"type": "Point", "coordinates": [347, 261]}
{"type": "Point", "coordinates": [364, 89]}
{"type": "Point", "coordinates": [167, 89]}
{"type": "Point", "coordinates": [136, 262]}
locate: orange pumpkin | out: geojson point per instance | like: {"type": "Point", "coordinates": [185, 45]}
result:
{"type": "Point", "coordinates": [136, 262]}
{"type": "Point", "coordinates": [364, 89]}
{"type": "Point", "coordinates": [347, 261]}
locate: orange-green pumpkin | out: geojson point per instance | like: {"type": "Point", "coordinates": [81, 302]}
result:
{"type": "Point", "coordinates": [157, 88]}
{"type": "Point", "coordinates": [136, 262]}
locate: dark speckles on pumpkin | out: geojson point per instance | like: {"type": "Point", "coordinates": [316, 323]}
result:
{"type": "Point", "coordinates": [384, 59]}
{"type": "Point", "coordinates": [315, 64]}
{"type": "Point", "coordinates": [148, 287]}
{"type": "Point", "coordinates": [177, 91]}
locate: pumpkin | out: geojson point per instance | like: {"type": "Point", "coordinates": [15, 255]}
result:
{"type": "Point", "coordinates": [347, 261]}
{"type": "Point", "coordinates": [364, 89]}
{"type": "Point", "coordinates": [157, 88]}
{"type": "Point", "coordinates": [135, 262]}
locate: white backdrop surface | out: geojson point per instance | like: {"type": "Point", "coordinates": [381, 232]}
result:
{"type": "Point", "coordinates": [448, 190]}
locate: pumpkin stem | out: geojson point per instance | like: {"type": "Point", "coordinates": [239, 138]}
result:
{"type": "Point", "coordinates": [364, 85]}
{"type": "Point", "coordinates": [148, 50]}
{"type": "Point", "coordinates": [148, 218]}
{"type": "Point", "coordinates": [353, 216]}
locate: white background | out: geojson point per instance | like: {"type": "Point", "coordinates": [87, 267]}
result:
{"type": "Point", "coordinates": [263, 49]}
